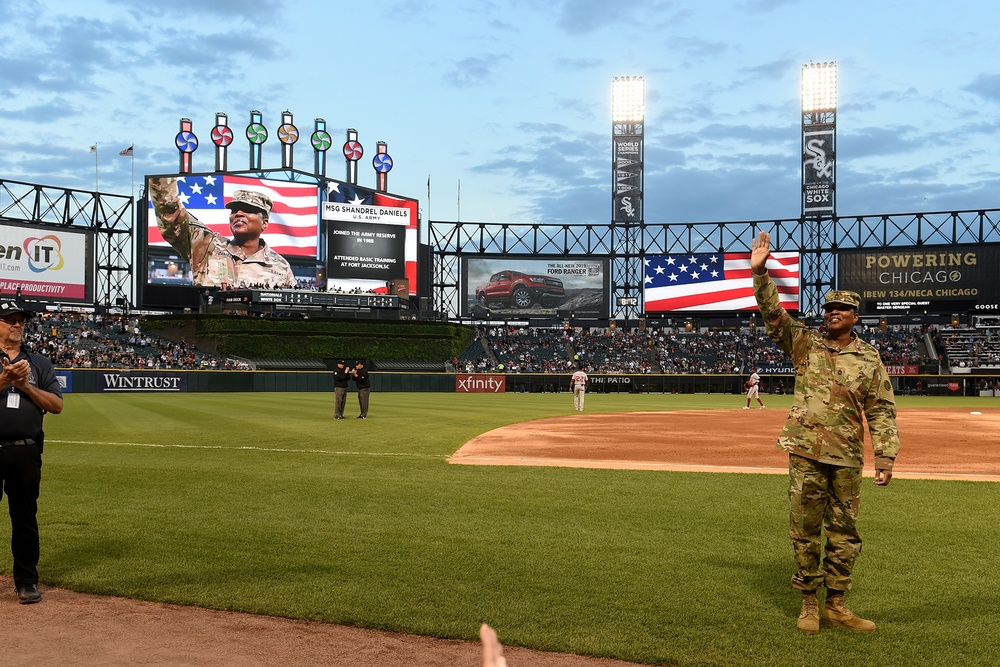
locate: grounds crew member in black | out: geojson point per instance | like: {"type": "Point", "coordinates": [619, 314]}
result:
{"type": "Point", "coordinates": [341, 377]}
{"type": "Point", "coordinates": [840, 384]}
{"type": "Point", "coordinates": [360, 374]}
{"type": "Point", "coordinates": [28, 389]}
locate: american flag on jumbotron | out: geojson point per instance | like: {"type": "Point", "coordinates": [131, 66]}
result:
{"type": "Point", "coordinates": [715, 281]}
{"type": "Point", "coordinates": [350, 194]}
{"type": "Point", "coordinates": [293, 223]}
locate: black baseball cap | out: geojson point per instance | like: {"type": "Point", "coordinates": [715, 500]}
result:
{"type": "Point", "coordinates": [8, 307]}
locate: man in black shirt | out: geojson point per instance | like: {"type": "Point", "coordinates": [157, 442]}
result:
{"type": "Point", "coordinates": [360, 374]}
{"type": "Point", "coordinates": [341, 377]}
{"type": "Point", "coordinates": [28, 389]}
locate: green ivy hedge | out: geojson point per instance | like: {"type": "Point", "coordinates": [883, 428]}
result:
{"type": "Point", "coordinates": [275, 338]}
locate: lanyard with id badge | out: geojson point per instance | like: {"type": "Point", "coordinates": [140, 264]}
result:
{"type": "Point", "coordinates": [14, 396]}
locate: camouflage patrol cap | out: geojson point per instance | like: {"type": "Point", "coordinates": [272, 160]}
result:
{"type": "Point", "coordinates": [251, 198]}
{"type": "Point", "coordinates": [852, 299]}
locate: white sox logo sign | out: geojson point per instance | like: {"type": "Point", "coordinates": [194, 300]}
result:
{"type": "Point", "coordinates": [627, 207]}
{"type": "Point", "coordinates": [818, 167]}
{"type": "Point", "coordinates": [819, 162]}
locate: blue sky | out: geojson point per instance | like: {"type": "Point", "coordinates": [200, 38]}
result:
{"type": "Point", "coordinates": [513, 98]}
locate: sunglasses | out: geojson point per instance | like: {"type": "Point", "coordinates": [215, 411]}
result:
{"type": "Point", "coordinates": [14, 319]}
{"type": "Point", "coordinates": [246, 208]}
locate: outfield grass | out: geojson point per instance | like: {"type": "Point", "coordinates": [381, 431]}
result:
{"type": "Point", "coordinates": [263, 503]}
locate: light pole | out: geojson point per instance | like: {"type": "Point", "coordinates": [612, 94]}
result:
{"type": "Point", "coordinates": [628, 118]}
{"type": "Point", "coordinates": [819, 176]}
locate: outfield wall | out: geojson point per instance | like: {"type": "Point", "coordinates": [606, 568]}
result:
{"type": "Point", "coordinates": [168, 381]}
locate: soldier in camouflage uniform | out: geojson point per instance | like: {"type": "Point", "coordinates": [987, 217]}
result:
{"type": "Point", "coordinates": [215, 261]}
{"type": "Point", "coordinates": [839, 381]}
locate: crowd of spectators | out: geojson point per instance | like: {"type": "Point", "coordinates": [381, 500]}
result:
{"type": "Point", "coordinates": [308, 284]}
{"type": "Point", "coordinates": [337, 289]}
{"type": "Point", "coordinates": [975, 346]}
{"type": "Point", "coordinates": [718, 352]}
{"type": "Point", "coordinates": [301, 283]}
{"type": "Point", "coordinates": [520, 350]}
{"type": "Point", "coordinates": [613, 350]}
{"type": "Point", "coordinates": [900, 345]}
{"type": "Point", "coordinates": [95, 340]}
{"type": "Point", "coordinates": [616, 351]}
{"type": "Point", "coordinates": [633, 351]}
{"type": "Point", "coordinates": [474, 359]}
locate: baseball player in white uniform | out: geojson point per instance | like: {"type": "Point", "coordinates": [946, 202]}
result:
{"type": "Point", "coordinates": [578, 383]}
{"type": "Point", "coordinates": [753, 387]}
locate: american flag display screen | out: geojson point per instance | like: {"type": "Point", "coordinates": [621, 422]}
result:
{"type": "Point", "coordinates": [715, 282]}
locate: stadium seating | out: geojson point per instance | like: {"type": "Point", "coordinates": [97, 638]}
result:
{"type": "Point", "coordinates": [88, 340]}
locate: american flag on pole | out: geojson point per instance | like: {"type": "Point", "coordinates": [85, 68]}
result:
{"type": "Point", "coordinates": [350, 194]}
{"type": "Point", "coordinates": [715, 281]}
{"type": "Point", "coordinates": [293, 224]}
{"type": "Point", "coordinates": [128, 151]}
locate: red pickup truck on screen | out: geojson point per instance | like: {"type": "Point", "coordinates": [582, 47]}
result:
{"type": "Point", "coordinates": [520, 290]}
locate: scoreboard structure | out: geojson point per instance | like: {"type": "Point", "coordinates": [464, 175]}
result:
{"type": "Point", "coordinates": [901, 281]}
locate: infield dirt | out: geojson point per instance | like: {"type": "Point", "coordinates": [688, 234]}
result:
{"type": "Point", "coordinates": [939, 443]}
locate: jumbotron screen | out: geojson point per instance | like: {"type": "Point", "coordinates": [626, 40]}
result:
{"type": "Point", "coordinates": [926, 279]}
{"type": "Point", "coordinates": [191, 219]}
{"type": "Point", "coordinates": [371, 238]}
{"type": "Point", "coordinates": [715, 282]}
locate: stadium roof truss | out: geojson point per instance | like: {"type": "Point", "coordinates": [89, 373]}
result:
{"type": "Point", "coordinates": [817, 239]}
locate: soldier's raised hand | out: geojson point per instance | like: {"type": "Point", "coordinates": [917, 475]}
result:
{"type": "Point", "coordinates": [760, 250]}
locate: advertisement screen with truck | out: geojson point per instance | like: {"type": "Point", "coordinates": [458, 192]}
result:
{"type": "Point", "coordinates": [515, 286]}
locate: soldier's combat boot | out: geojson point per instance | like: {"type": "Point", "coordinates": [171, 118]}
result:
{"type": "Point", "coordinates": [838, 615]}
{"type": "Point", "coordinates": [809, 618]}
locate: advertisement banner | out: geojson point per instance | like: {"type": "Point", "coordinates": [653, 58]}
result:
{"type": "Point", "coordinates": [480, 384]}
{"type": "Point", "coordinates": [818, 171]}
{"type": "Point", "coordinates": [940, 387]}
{"type": "Point", "coordinates": [628, 165]}
{"type": "Point", "coordinates": [138, 381]}
{"type": "Point", "coordinates": [607, 383]}
{"type": "Point", "coordinates": [776, 370]}
{"type": "Point", "coordinates": [518, 287]}
{"type": "Point", "coordinates": [65, 379]}
{"type": "Point", "coordinates": [42, 263]}
{"type": "Point", "coordinates": [914, 280]}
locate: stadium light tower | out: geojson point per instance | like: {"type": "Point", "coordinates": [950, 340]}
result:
{"type": "Point", "coordinates": [628, 118]}
{"type": "Point", "coordinates": [628, 99]}
{"type": "Point", "coordinates": [819, 134]}
{"type": "Point", "coordinates": [819, 176]}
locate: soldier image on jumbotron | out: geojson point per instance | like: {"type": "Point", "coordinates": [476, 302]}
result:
{"type": "Point", "coordinates": [245, 260]}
